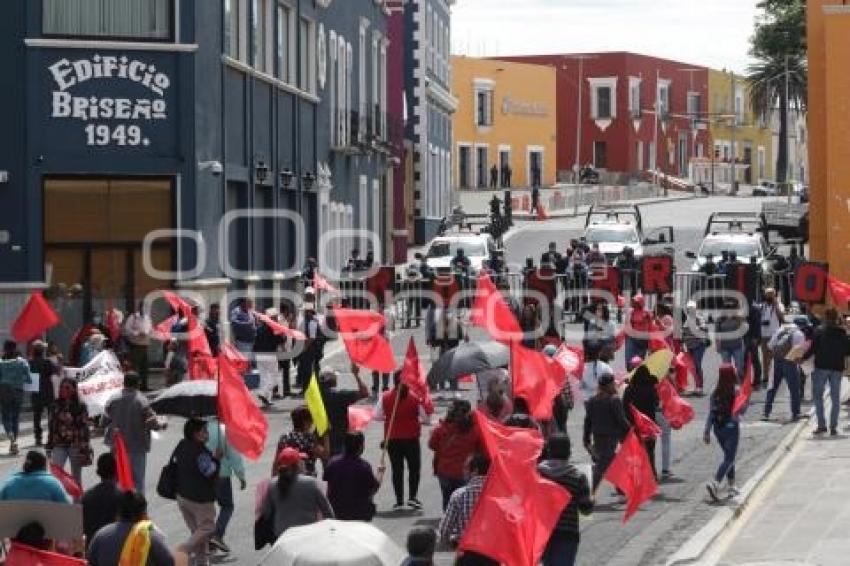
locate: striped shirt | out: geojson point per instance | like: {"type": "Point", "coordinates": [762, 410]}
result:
{"type": "Point", "coordinates": [460, 509]}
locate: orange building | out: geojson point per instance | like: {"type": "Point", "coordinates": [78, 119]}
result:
{"type": "Point", "coordinates": [829, 133]}
{"type": "Point", "coordinates": [506, 118]}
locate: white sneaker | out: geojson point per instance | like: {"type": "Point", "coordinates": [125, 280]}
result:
{"type": "Point", "coordinates": [713, 490]}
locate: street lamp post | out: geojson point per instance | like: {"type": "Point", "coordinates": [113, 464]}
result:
{"type": "Point", "coordinates": [577, 165]}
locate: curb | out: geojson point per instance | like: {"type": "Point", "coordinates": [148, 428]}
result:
{"type": "Point", "coordinates": [692, 551]}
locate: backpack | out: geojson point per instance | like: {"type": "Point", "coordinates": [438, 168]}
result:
{"type": "Point", "coordinates": [783, 344]}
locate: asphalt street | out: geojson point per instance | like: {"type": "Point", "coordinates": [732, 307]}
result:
{"type": "Point", "coordinates": [658, 529]}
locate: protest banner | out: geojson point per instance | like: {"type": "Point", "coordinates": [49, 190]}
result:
{"type": "Point", "coordinates": [97, 381]}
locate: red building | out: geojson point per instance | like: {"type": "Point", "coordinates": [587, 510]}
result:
{"type": "Point", "coordinates": [620, 133]}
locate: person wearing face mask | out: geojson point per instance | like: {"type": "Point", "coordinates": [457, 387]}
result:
{"type": "Point", "coordinates": [68, 433]}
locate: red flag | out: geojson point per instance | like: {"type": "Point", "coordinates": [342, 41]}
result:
{"type": "Point", "coordinates": [122, 459]}
{"type": "Point", "coordinates": [202, 366]}
{"type": "Point", "coordinates": [571, 358]}
{"type": "Point", "coordinates": [657, 338]}
{"type": "Point", "coordinates": [359, 417]}
{"type": "Point", "coordinates": [180, 306]}
{"type": "Point", "coordinates": [684, 364]}
{"type": "Point", "coordinates": [412, 373]}
{"type": "Point", "coordinates": [361, 334]}
{"type": "Point", "coordinates": [491, 312]}
{"type": "Point", "coordinates": [246, 427]}
{"type": "Point", "coordinates": [676, 410]}
{"type": "Point", "coordinates": [840, 292]}
{"type": "Point", "coordinates": [632, 473]}
{"type": "Point", "coordinates": [743, 396]}
{"type": "Point", "coordinates": [619, 339]}
{"type": "Point", "coordinates": [235, 358]}
{"type": "Point", "coordinates": [35, 318]}
{"type": "Point", "coordinates": [322, 284]}
{"type": "Point", "coordinates": [279, 329]}
{"type": "Point", "coordinates": [23, 555]}
{"type": "Point", "coordinates": [645, 426]}
{"type": "Point", "coordinates": [537, 378]}
{"type": "Point", "coordinates": [67, 480]}
{"type": "Point", "coordinates": [162, 331]}
{"type": "Point", "coordinates": [517, 509]}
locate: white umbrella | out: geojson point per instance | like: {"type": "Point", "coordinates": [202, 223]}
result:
{"type": "Point", "coordinates": [343, 543]}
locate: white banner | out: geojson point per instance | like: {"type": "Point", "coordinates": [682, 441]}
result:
{"type": "Point", "coordinates": [97, 381]}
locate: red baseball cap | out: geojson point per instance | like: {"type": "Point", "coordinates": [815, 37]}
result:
{"type": "Point", "coordinates": [287, 457]}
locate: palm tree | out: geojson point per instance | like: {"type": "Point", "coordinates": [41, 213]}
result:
{"type": "Point", "coordinates": [779, 47]}
{"type": "Point", "coordinates": [767, 92]}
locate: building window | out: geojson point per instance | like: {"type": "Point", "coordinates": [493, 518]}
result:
{"type": "Point", "coordinates": [375, 108]}
{"type": "Point", "coordinates": [361, 73]}
{"type": "Point", "coordinates": [634, 97]}
{"type": "Point", "coordinates": [603, 98]}
{"type": "Point", "coordinates": [231, 28]}
{"type": "Point", "coordinates": [464, 160]}
{"type": "Point", "coordinates": [307, 52]}
{"type": "Point", "coordinates": [663, 99]}
{"type": "Point", "coordinates": [260, 25]}
{"type": "Point", "coordinates": [481, 167]}
{"type": "Point", "coordinates": [484, 107]}
{"type": "Point", "coordinates": [639, 155]}
{"type": "Point", "coordinates": [284, 43]}
{"type": "Point", "coordinates": [600, 155]}
{"type": "Point", "coordinates": [694, 102]}
{"type": "Point", "coordinates": [147, 20]}
{"type": "Point", "coordinates": [383, 91]}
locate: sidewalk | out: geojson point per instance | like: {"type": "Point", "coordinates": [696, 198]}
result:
{"type": "Point", "coordinates": [802, 516]}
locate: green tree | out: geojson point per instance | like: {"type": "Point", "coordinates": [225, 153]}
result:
{"type": "Point", "coordinates": [779, 46]}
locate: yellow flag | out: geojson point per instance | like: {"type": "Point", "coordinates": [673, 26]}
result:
{"type": "Point", "coordinates": [316, 405]}
{"type": "Point", "coordinates": [658, 363]}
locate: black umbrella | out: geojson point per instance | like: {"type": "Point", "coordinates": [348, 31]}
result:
{"type": "Point", "coordinates": [467, 359]}
{"type": "Point", "coordinates": [197, 398]}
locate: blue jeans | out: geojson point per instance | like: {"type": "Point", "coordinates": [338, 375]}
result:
{"type": "Point", "coordinates": [137, 467]}
{"type": "Point", "coordinates": [698, 353]}
{"type": "Point", "coordinates": [736, 357]}
{"type": "Point", "coordinates": [224, 498]}
{"type": "Point", "coordinates": [727, 437]}
{"type": "Point", "coordinates": [561, 550]}
{"type": "Point", "coordinates": [10, 407]}
{"type": "Point", "coordinates": [820, 378]}
{"type": "Point", "coordinates": [790, 372]}
{"type": "Point", "coordinates": [635, 347]}
{"type": "Point", "coordinates": [665, 440]}
{"type": "Point", "coordinates": [61, 454]}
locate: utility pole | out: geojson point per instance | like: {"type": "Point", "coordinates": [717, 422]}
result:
{"type": "Point", "coordinates": [655, 134]}
{"type": "Point", "coordinates": [577, 165]}
{"type": "Point", "coordinates": [734, 190]}
{"type": "Point", "coordinates": [788, 169]}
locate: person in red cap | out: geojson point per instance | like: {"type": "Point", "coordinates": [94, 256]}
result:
{"type": "Point", "coordinates": [637, 331]}
{"type": "Point", "coordinates": [296, 499]}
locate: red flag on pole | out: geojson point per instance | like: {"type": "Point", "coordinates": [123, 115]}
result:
{"type": "Point", "coordinates": [245, 425]}
{"type": "Point", "coordinates": [743, 396]}
{"type": "Point", "coordinates": [491, 312]}
{"type": "Point", "coordinates": [361, 333]}
{"type": "Point", "coordinates": [35, 319]}
{"type": "Point", "coordinates": [632, 473]}
{"type": "Point", "coordinates": [645, 426]}
{"type": "Point", "coordinates": [359, 417]}
{"type": "Point", "coordinates": [537, 378]}
{"type": "Point", "coordinates": [517, 509]}
{"type": "Point", "coordinates": [413, 375]}
{"type": "Point", "coordinates": [840, 292]}
{"type": "Point", "coordinates": [676, 410]}
{"type": "Point", "coordinates": [235, 358]}
{"type": "Point", "coordinates": [162, 331]}
{"type": "Point", "coordinates": [68, 482]}
{"type": "Point", "coordinates": [279, 329]}
{"type": "Point", "coordinates": [180, 306]}
{"type": "Point", "coordinates": [23, 555]}
{"type": "Point", "coordinates": [571, 358]}
{"type": "Point", "coordinates": [122, 460]}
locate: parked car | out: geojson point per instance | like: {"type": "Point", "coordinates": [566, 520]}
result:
{"type": "Point", "coordinates": [766, 189]}
{"type": "Point", "coordinates": [477, 247]}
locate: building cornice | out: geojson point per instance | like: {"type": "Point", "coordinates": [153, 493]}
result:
{"type": "Point", "coordinates": [42, 42]}
{"type": "Point", "coordinates": [443, 97]}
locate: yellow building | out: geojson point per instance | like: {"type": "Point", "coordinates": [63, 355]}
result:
{"type": "Point", "coordinates": [752, 134]}
{"type": "Point", "coordinates": [505, 119]}
{"type": "Point", "coordinates": [828, 37]}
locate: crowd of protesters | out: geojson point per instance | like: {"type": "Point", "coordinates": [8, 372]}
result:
{"type": "Point", "coordinates": [768, 341]}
